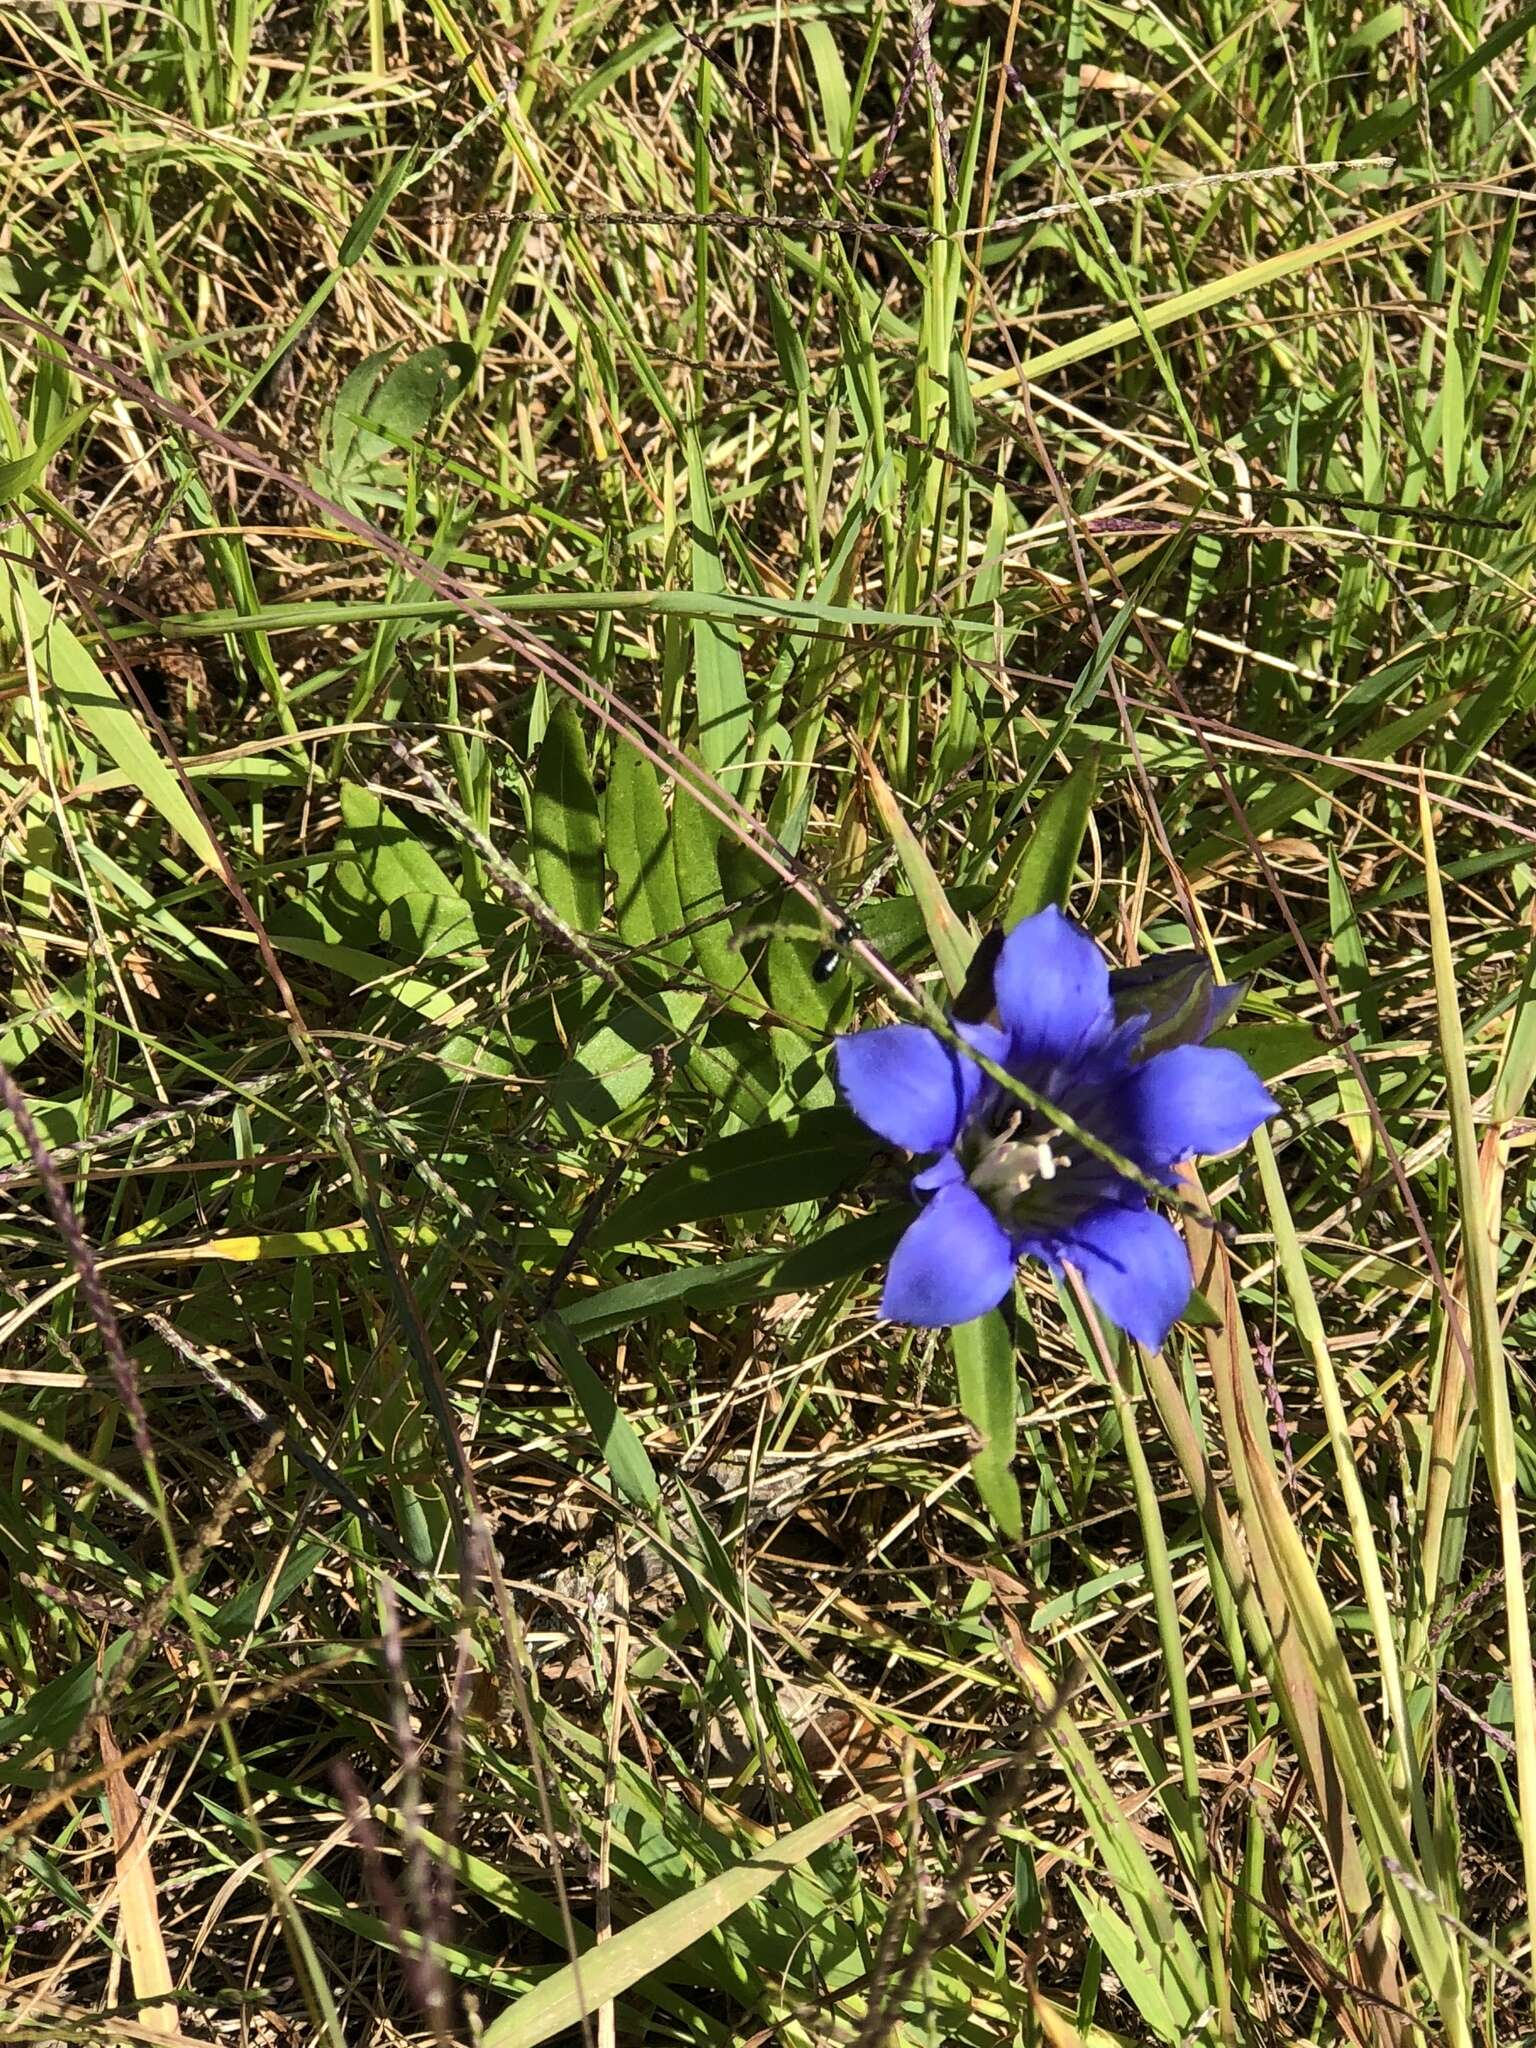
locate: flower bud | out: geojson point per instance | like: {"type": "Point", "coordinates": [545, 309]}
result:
{"type": "Point", "coordinates": [1178, 995]}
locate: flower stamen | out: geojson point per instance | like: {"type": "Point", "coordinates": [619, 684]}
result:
{"type": "Point", "coordinates": [1008, 1170]}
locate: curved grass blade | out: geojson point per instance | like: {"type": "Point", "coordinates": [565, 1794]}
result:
{"type": "Point", "coordinates": [605, 1973]}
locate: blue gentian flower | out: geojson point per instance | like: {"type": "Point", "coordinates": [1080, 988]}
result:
{"type": "Point", "coordinates": [1119, 1055]}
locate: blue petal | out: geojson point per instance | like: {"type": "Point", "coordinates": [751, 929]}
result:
{"type": "Point", "coordinates": [1194, 1100]}
{"type": "Point", "coordinates": [1136, 1268]}
{"type": "Point", "coordinates": [1052, 986]}
{"type": "Point", "coordinates": [952, 1264]}
{"type": "Point", "coordinates": [907, 1085]}
{"type": "Point", "coordinates": [991, 1043]}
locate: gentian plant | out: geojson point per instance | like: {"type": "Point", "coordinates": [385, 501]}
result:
{"type": "Point", "coordinates": [1120, 1057]}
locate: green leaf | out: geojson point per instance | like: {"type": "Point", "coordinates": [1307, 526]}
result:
{"type": "Point", "coordinates": [1453, 407]}
{"type": "Point", "coordinates": [53, 1712]}
{"type": "Point", "coordinates": [347, 417]}
{"type": "Point", "coordinates": [1096, 669]}
{"type": "Point", "coordinates": [638, 840]}
{"type": "Point", "coordinates": [1150, 1982]}
{"type": "Point", "coordinates": [622, 1451]}
{"type": "Point", "coordinates": [1271, 1049]}
{"type": "Point", "coordinates": [18, 477]}
{"type": "Point", "coordinates": [61, 1123]}
{"type": "Point", "coordinates": [838, 1253]}
{"type": "Point", "coordinates": [366, 226]}
{"type": "Point", "coordinates": [611, 1070]}
{"type": "Point", "coordinates": [607, 1971]}
{"type": "Point", "coordinates": [567, 831]}
{"type": "Point", "coordinates": [1199, 1313]}
{"type": "Point", "coordinates": [987, 1378]}
{"type": "Point", "coordinates": [411, 397]}
{"type": "Point", "coordinates": [70, 673]}
{"type": "Point", "coordinates": [1517, 1062]}
{"type": "Point", "coordinates": [793, 988]}
{"type": "Point", "coordinates": [720, 684]}
{"type": "Point", "coordinates": [422, 924]}
{"type": "Point", "coordinates": [382, 860]}
{"type": "Point", "coordinates": [701, 895]}
{"type": "Point", "coordinates": [1354, 975]}
{"type": "Point", "coordinates": [831, 83]}
{"type": "Point", "coordinates": [396, 862]}
{"type": "Point", "coordinates": [787, 343]}
{"type": "Point", "coordinates": [764, 1168]}
{"type": "Point", "coordinates": [606, 1309]}
{"type": "Point", "coordinates": [379, 412]}
{"type": "Point", "coordinates": [737, 1062]}
{"type": "Point", "coordinates": [1055, 840]}
{"type": "Point", "coordinates": [1492, 1369]}
{"type": "Point", "coordinates": [261, 1597]}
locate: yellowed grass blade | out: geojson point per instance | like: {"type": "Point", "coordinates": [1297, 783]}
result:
{"type": "Point", "coordinates": [65, 666]}
{"type": "Point", "coordinates": [1453, 1396]}
{"type": "Point", "coordinates": [138, 1903]}
{"type": "Point", "coordinates": [1309, 1323]}
{"type": "Point", "coordinates": [1186, 305]}
{"type": "Point", "coordinates": [953, 941]}
{"type": "Point", "coordinates": [1240, 1409]}
{"type": "Point", "coordinates": [1495, 1420]}
{"type": "Point", "coordinates": [1453, 1408]}
{"type": "Point", "coordinates": [1359, 1807]}
{"type": "Point", "coordinates": [72, 2021]}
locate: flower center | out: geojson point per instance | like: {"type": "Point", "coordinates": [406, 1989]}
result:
{"type": "Point", "coordinates": [1008, 1152]}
